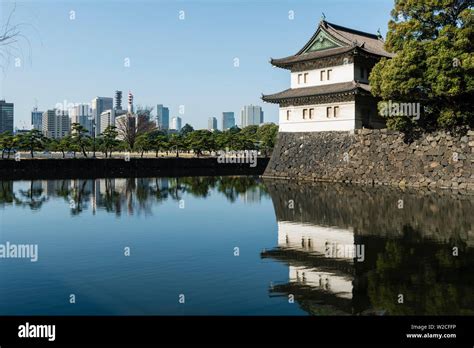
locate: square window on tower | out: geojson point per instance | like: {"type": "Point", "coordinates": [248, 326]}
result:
{"type": "Point", "coordinates": [329, 111]}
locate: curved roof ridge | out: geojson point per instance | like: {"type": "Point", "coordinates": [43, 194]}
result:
{"type": "Point", "coordinates": [355, 31]}
{"type": "Point", "coordinates": [346, 37]}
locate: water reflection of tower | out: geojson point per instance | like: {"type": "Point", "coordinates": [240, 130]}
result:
{"type": "Point", "coordinates": [317, 281]}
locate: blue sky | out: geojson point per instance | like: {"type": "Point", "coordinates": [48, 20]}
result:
{"type": "Point", "coordinates": [173, 62]}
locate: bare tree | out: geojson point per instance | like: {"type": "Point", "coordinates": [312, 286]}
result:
{"type": "Point", "coordinates": [144, 111]}
{"type": "Point", "coordinates": [131, 126]}
{"type": "Point", "coordinates": [10, 38]}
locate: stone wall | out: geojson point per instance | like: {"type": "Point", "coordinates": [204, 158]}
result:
{"type": "Point", "coordinates": [376, 157]}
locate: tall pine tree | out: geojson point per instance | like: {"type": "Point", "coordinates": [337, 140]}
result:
{"type": "Point", "coordinates": [433, 45]}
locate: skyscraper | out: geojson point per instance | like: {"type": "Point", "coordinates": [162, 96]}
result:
{"type": "Point", "coordinates": [251, 115]}
{"type": "Point", "coordinates": [37, 119]}
{"type": "Point", "coordinates": [82, 114]}
{"type": "Point", "coordinates": [118, 100]}
{"type": "Point", "coordinates": [56, 124]}
{"type": "Point", "coordinates": [212, 124]}
{"type": "Point", "coordinates": [228, 120]}
{"type": "Point", "coordinates": [176, 123]}
{"type": "Point", "coordinates": [130, 103]}
{"type": "Point", "coordinates": [6, 116]}
{"type": "Point", "coordinates": [99, 105]}
{"type": "Point", "coordinates": [162, 117]}
{"type": "Point", "coordinates": [107, 118]}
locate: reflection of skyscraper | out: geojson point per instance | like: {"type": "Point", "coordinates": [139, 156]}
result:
{"type": "Point", "coordinates": [53, 188]}
{"type": "Point", "coordinates": [37, 185]}
{"type": "Point", "coordinates": [228, 120]}
{"type": "Point", "coordinates": [252, 195]}
{"type": "Point", "coordinates": [162, 183]}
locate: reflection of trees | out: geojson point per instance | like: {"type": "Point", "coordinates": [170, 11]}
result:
{"type": "Point", "coordinates": [110, 199]}
{"type": "Point", "coordinates": [134, 195]}
{"type": "Point", "coordinates": [232, 187]}
{"type": "Point", "coordinates": [431, 280]}
{"type": "Point", "coordinates": [79, 196]}
{"type": "Point", "coordinates": [6, 193]}
{"type": "Point", "coordinates": [408, 251]}
{"type": "Point", "coordinates": [32, 197]}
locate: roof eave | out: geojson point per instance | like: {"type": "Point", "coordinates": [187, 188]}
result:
{"type": "Point", "coordinates": [276, 100]}
{"type": "Point", "coordinates": [287, 65]}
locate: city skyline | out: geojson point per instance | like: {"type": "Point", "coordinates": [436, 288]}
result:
{"type": "Point", "coordinates": [86, 113]}
{"type": "Point", "coordinates": [192, 71]}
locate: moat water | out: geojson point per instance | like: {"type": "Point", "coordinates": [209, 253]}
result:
{"type": "Point", "coordinates": [232, 246]}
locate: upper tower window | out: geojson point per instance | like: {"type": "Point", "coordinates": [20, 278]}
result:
{"type": "Point", "coordinates": [303, 78]}
{"type": "Point", "coordinates": [305, 114]}
{"type": "Point", "coordinates": [329, 111]}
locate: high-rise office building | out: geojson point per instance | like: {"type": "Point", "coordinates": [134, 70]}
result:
{"type": "Point", "coordinates": [118, 100]}
{"type": "Point", "coordinates": [212, 124]}
{"type": "Point", "coordinates": [162, 117]}
{"type": "Point", "coordinates": [82, 114]}
{"type": "Point", "coordinates": [6, 116]}
{"type": "Point", "coordinates": [99, 105]}
{"type": "Point", "coordinates": [56, 123]}
{"type": "Point", "coordinates": [37, 119]}
{"type": "Point", "coordinates": [251, 115]}
{"type": "Point", "coordinates": [228, 120]}
{"type": "Point", "coordinates": [107, 118]}
{"type": "Point", "coordinates": [176, 123]}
